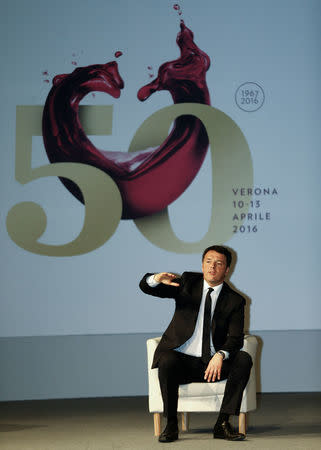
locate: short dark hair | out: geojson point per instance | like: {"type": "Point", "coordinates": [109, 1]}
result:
{"type": "Point", "coordinates": [219, 249]}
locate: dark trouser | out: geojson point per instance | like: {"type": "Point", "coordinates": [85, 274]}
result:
{"type": "Point", "coordinates": [175, 368]}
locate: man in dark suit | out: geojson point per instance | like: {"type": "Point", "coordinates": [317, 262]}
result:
{"type": "Point", "coordinates": [203, 340]}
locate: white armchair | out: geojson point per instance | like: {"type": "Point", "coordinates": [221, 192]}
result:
{"type": "Point", "coordinates": [199, 397]}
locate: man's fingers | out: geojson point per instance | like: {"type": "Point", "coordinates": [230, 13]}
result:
{"type": "Point", "coordinates": [170, 282]}
{"type": "Point", "coordinates": [169, 279]}
{"type": "Point", "coordinates": [212, 373]}
{"type": "Point", "coordinates": [207, 374]}
{"type": "Point", "coordinates": [169, 275]}
{"type": "Point", "coordinates": [166, 278]}
{"type": "Point", "coordinates": [212, 378]}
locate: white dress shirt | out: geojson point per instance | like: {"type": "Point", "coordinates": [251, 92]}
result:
{"type": "Point", "coordinates": [193, 346]}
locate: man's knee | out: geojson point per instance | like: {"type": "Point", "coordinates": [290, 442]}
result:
{"type": "Point", "coordinates": [168, 361]}
{"type": "Point", "coordinates": [243, 360]}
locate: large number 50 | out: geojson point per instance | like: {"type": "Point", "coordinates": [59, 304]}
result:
{"type": "Point", "coordinates": [231, 166]}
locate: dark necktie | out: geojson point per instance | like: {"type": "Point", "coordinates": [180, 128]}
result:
{"type": "Point", "coordinates": [206, 346]}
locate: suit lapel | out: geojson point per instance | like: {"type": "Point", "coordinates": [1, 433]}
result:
{"type": "Point", "coordinates": [197, 292]}
{"type": "Point", "coordinates": [220, 300]}
{"type": "Point", "coordinates": [219, 305]}
{"type": "Point", "coordinates": [196, 297]}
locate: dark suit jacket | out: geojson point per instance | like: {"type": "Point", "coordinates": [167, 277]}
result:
{"type": "Point", "coordinates": [228, 318]}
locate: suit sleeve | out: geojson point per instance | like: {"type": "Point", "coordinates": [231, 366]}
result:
{"type": "Point", "coordinates": [235, 332]}
{"type": "Point", "coordinates": [161, 290]}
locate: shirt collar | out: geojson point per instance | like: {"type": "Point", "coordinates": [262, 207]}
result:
{"type": "Point", "coordinates": [217, 289]}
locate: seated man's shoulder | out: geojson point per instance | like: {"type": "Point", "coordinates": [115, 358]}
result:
{"type": "Point", "coordinates": [233, 293]}
{"type": "Point", "coordinates": [191, 277]}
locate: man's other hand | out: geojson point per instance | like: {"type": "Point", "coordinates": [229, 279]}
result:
{"type": "Point", "coordinates": [166, 278]}
{"type": "Point", "coordinates": [213, 371]}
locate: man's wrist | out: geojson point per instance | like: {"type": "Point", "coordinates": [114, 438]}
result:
{"type": "Point", "coordinates": [151, 281]}
{"type": "Point", "coordinates": [155, 279]}
{"type": "Point", "coordinates": [221, 353]}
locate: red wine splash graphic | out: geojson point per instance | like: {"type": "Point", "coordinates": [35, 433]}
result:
{"type": "Point", "coordinates": [148, 180]}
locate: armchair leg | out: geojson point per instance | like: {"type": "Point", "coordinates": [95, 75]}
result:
{"type": "Point", "coordinates": [157, 424]}
{"type": "Point", "coordinates": [242, 423]}
{"type": "Point", "coordinates": [185, 421]}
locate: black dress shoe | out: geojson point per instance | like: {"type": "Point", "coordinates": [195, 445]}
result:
{"type": "Point", "coordinates": [170, 434]}
{"type": "Point", "coordinates": [225, 431]}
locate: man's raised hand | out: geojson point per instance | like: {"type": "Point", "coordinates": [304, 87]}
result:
{"type": "Point", "coordinates": [166, 278]}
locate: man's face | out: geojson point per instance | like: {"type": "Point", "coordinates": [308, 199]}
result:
{"type": "Point", "coordinates": [214, 268]}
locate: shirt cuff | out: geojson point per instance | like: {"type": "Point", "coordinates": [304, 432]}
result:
{"type": "Point", "coordinates": [227, 354]}
{"type": "Point", "coordinates": [151, 281]}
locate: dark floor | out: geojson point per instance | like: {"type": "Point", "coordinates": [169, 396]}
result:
{"type": "Point", "coordinates": [281, 421]}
